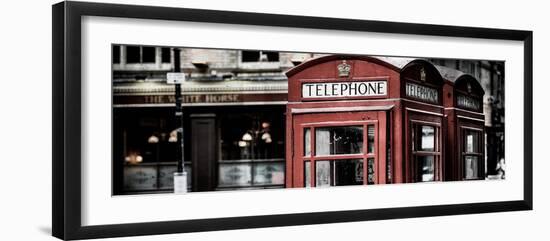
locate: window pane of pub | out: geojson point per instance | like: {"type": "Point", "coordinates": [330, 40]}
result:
{"type": "Point", "coordinates": [166, 176]}
{"type": "Point", "coordinates": [338, 140]}
{"type": "Point", "coordinates": [426, 166]}
{"type": "Point", "coordinates": [339, 172]}
{"type": "Point", "coordinates": [140, 178]}
{"type": "Point", "coordinates": [234, 175]}
{"type": "Point", "coordinates": [252, 135]}
{"type": "Point", "coordinates": [252, 149]}
{"type": "Point", "coordinates": [148, 147]}
{"type": "Point", "coordinates": [271, 173]}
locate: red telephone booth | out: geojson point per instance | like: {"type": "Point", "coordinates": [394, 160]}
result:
{"type": "Point", "coordinates": [424, 127]}
{"type": "Point", "coordinates": [466, 133]}
{"type": "Point", "coordinates": [357, 120]}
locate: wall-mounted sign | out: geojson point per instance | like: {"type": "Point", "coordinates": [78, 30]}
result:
{"type": "Point", "coordinates": [175, 78]}
{"type": "Point", "coordinates": [467, 102]}
{"type": "Point", "coordinates": [344, 89]}
{"type": "Point", "coordinates": [213, 99]}
{"type": "Point", "coordinates": [422, 92]}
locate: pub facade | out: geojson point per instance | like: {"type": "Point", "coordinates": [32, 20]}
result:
{"type": "Point", "coordinates": [233, 111]}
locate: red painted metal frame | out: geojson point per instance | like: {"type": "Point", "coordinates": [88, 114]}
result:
{"type": "Point", "coordinates": [437, 153]}
{"type": "Point", "coordinates": [313, 121]}
{"type": "Point", "coordinates": [469, 125]}
{"type": "Point", "coordinates": [435, 119]}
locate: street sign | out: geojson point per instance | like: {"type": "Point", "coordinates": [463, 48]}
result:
{"type": "Point", "coordinates": [180, 182]}
{"type": "Point", "coordinates": [175, 78]}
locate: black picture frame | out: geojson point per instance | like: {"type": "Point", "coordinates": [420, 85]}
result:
{"type": "Point", "coordinates": [66, 140]}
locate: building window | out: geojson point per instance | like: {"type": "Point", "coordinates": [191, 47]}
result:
{"type": "Point", "coordinates": [148, 54]}
{"type": "Point", "coordinates": [140, 54]}
{"type": "Point", "coordinates": [426, 153]}
{"type": "Point", "coordinates": [471, 153]}
{"type": "Point", "coordinates": [133, 54]}
{"type": "Point", "coordinates": [252, 146]}
{"type": "Point", "coordinates": [116, 54]}
{"type": "Point", "coordinates": [165, 55]}
{"type": "Point", "coordinates": [260, 56]}
{"type": "Point", "coordinates": [149, 155]}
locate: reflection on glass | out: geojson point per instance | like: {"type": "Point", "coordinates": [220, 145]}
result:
{"type": "Point", "coordinates": [426, 165]}
{"type": "Point", "coordinates": [322, 173]}
{"type": "Point", "coordinates": [234, 174]}
{"type": "Point", "coordinates": [138, 178]}
{"type": "Point", "coordinates": [359, 171]}
{"type": "Point", "coordinates": [370, 171]}
{"type": "Point", "coordinates": [251, 136]}
{"type": "Point", "coordinates": [269, 174]}
{"type": "Point", "coordinates": [348, 172]}
{"type": "Point", "coordinates": [166, 176]}
{"type": "Point", "coordinates": [307, 142]}
{"type": "Point", "coordinates": [338, 140]}
{"type": "Point", "coordinates": [339, 172]}
{"type": "Point", "coordinates": [307, 174]}
{"type": "Point", "coordinates": [471, 167]}
{"type": "Point", "coordinates": [186, 168]}
{"type": "Point", "coordinates": [370, 138]}
{"type": "Point", "coordinates": [427, 138]}
{"type": "Point", "coordinates": [471, 141]}
{"type": "Point", "coordinates": [252, 150]}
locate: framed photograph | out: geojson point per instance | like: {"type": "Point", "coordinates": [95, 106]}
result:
{"type": "Point", "coordinates": [171, 120]}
